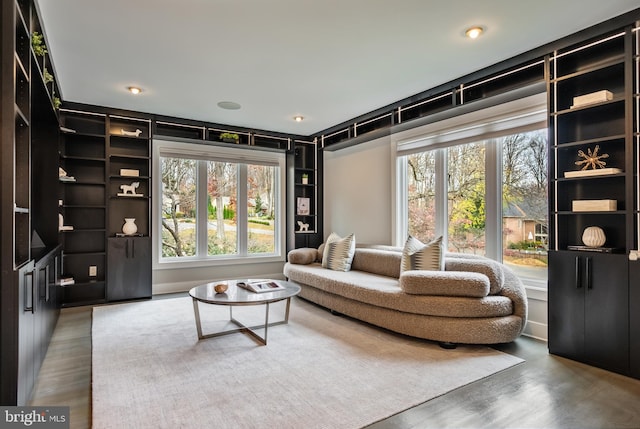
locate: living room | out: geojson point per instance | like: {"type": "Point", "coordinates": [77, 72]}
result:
{"type": "Point", "coordinates": [356, 151]}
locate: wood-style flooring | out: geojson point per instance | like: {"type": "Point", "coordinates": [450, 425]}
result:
{"type": "Point", "coordinates": [546, 391]}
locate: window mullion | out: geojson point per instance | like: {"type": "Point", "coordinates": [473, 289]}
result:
{"type": "Point", "coordinates": [201, 210]}
{"type": "Point", "coordinates": [441, 191]}
{"type": "Point", "coordinates": [241, 210]}
{"type": "Point", "coordinates": [493, 199]}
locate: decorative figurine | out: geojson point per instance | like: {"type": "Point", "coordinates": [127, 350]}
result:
{"type": "Point", "coordinates": [592, 159]}
{"type": "Point", "coordinates": [135, 133]}
{"type": "Point", "coordinates": [129, 190]}
{"type": "Point", "coordinates": [303, 226]}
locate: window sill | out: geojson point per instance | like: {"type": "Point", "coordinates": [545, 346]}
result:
{"type": "Point", "coordinates": [213, 262]}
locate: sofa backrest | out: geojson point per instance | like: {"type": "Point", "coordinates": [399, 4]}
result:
{"type": "Point", "coordinates": [377, 261]}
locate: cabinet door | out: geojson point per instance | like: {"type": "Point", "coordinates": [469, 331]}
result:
{"type": "Point", "coordinates": [566, 304]}
{"type": "Point", "coordinates": [588, 308]}
{"type": "Point", "coordinates": [26, 353]}
{"type": "Point", "coordinates": [606, 288]}
{"type": "Point", "coordinates": [129, 268]}
{"type": "Point", "coordinates": [634, 318]}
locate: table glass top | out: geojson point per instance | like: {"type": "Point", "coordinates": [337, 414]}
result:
{"type": "Point", "coordinates": [236, 295]}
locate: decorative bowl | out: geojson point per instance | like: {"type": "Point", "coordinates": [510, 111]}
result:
{"type": "Point", "coordinates": [221, 287]}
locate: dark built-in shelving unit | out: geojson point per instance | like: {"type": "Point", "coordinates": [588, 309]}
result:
{"type": "Point", "coordinates": [29, 249]}
{"type": "Point", "coordinates": [592, 297]}
{"type": "Point", "coordinates": [108, 158]}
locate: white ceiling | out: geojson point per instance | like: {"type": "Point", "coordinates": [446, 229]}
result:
{"type": "Point", "coordinates": [328, 60]}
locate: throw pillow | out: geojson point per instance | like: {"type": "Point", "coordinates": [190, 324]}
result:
{"type": "Point", "coordinates": [338, 252]}
{"type": "Point", "coordinates": [419, 256]}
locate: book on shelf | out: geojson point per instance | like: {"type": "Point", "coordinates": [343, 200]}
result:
{"type": "Point", "coordinates": [260, 286]}
{"type": "Point", "coordinates": [588, 173]}
{"type": "Point", "coordinates": [67, 179]}
{"type": "Point", "coordinates": [66, 280]}
{"type": "Point", "coordinates": [593, 249]}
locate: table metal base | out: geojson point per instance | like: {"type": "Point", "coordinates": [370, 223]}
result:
{"type": "Point", "coordinates": [250, 330]}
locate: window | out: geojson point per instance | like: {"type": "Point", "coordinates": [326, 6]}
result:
{"type": "Point", "coordinates": [484, 191]}
{"type": "Point", "coordinates": [217, 203]}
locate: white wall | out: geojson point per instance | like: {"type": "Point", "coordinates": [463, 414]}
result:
{"type": "Point", "coordinates": [183, 279]}
{"type": "Point", "coordinates": [358, 198]}
{"type": "Point", "coordinates": [357, 192]}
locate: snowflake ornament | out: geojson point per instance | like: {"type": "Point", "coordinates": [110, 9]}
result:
{"type": "Point", "coordinates": [592, 159]}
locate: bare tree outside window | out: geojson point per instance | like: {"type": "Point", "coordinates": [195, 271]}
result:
{"type": "Point", "coordinates": [524, 199]}
{"type": "Point", "coordinates": [222, 237]}
{"type": "Point", "coordinates": [178, 207]}
{"type": "Point", "coordinates": [261, 208]}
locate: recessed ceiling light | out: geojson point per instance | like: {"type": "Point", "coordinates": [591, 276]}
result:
{"type": "Point", "coordinates": [229, 105]}
{"type": "Point", "coordinates": [474, 32]}
{"type": "Point", "coordinates": [298, 118]}
{"type": "Point", "coordinates": [134, 90]}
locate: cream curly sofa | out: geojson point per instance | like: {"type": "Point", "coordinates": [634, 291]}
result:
{"type": "Point", "coordinates": [473, 301]}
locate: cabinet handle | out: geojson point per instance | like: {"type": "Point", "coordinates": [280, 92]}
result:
{"type": "Point", "coordinates": [47, 284]}
{"type": "Point", "coordinates": [133, 248]}
{"type": "Point", "coordinates": [126, 249]}
{"type": "Point", "coordinates": [587, 272]}
{"type": "Point", "coordinates": [578, 273]}
{"type": "Point", "coordinates": [26, 291]}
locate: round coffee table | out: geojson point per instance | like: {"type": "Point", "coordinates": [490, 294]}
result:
{"type": "Point", "coordinates": [237, 296]}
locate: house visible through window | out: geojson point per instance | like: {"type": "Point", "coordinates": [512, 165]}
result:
{"type": "Point", "coordinates": [484, 195]}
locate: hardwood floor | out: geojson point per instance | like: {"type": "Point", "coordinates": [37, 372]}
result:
{"type": "Point", "coordinates": [543, 392]}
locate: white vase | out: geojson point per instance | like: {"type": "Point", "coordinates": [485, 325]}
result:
{"type": "Point", "coordinates": [129, 227]}
{"type": "Point", "coordinates": [593, 236]}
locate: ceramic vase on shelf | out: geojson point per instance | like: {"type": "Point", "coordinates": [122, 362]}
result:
{"type": "Point", "coordinates": [593, 236]}
{"type": "Point", "coordinates": [129, 227]}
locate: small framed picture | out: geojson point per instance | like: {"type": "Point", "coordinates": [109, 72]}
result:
{"type": "Point", "coordinates": [303, 206]}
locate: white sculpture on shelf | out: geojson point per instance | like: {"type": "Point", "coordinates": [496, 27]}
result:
{"type": "Point", "coordinates": [303, 226]}
{"type": "Point", "coordinates": [129, 227]}
{"type": "Point", "coordinates": [61, 225]}
{"type": "Point", "coordinates": [593, 236]}
{"type": "Point", "coordinates": [135, 133]}
{"type": "Point", "coordinates": [129, 190]}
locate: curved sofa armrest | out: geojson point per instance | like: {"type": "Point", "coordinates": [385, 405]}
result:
{"type": "Point", "coordinates": [302, 256]}
{"type": "Point", "coordinates": [514, 289]}
{"type": "Point", "coordinates": [478, 264]}
{"type": "Point", "coordinates": [444, 283]}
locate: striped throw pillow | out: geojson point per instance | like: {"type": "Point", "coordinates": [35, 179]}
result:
{"type": "Point", "coordinates": [338, 252]}
{"type": "Point", "coordinates": [419, 256]}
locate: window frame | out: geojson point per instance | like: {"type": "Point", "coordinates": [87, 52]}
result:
{"type": "Point", "coordinates": [484, 125]}
{"type": "Point", "coordinates": [218, 152]}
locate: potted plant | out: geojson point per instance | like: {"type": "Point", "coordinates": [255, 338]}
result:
{"type": "Point", "coordinates": [230, 137]}
{"type": "Point", "coordinates": [37, 44]}
{"type": "Point", "coordinates": [305, 179]}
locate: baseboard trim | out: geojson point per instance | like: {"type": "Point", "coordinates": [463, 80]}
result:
{"type": "Point", "coordinates": [174, 287]}
{"type": "Point", "coordinates": [536, 330]}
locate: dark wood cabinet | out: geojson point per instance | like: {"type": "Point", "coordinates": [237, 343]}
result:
{"type": "Point", "coordinates": [38, 313]}
{"type": "Point", "coordinates": [591, 290]}
{"type": "Point", "coordinates": [588, 312]}
{"type": "Point", "coordinates": [82, 206]}
{"type": "Point", "coordinates": [307, 204]}
{"type": "Point", "coordinates": [129, 273]}
{"type": "Point", "coordinates": [634, 318]}
{"type": "Point", "coordinates": [107, 163]}
{"type": "Point", "coordinates": [29, 249]}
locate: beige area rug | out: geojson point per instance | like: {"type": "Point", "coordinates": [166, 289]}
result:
{"type": "Point", "coordinates": [319, 371]}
